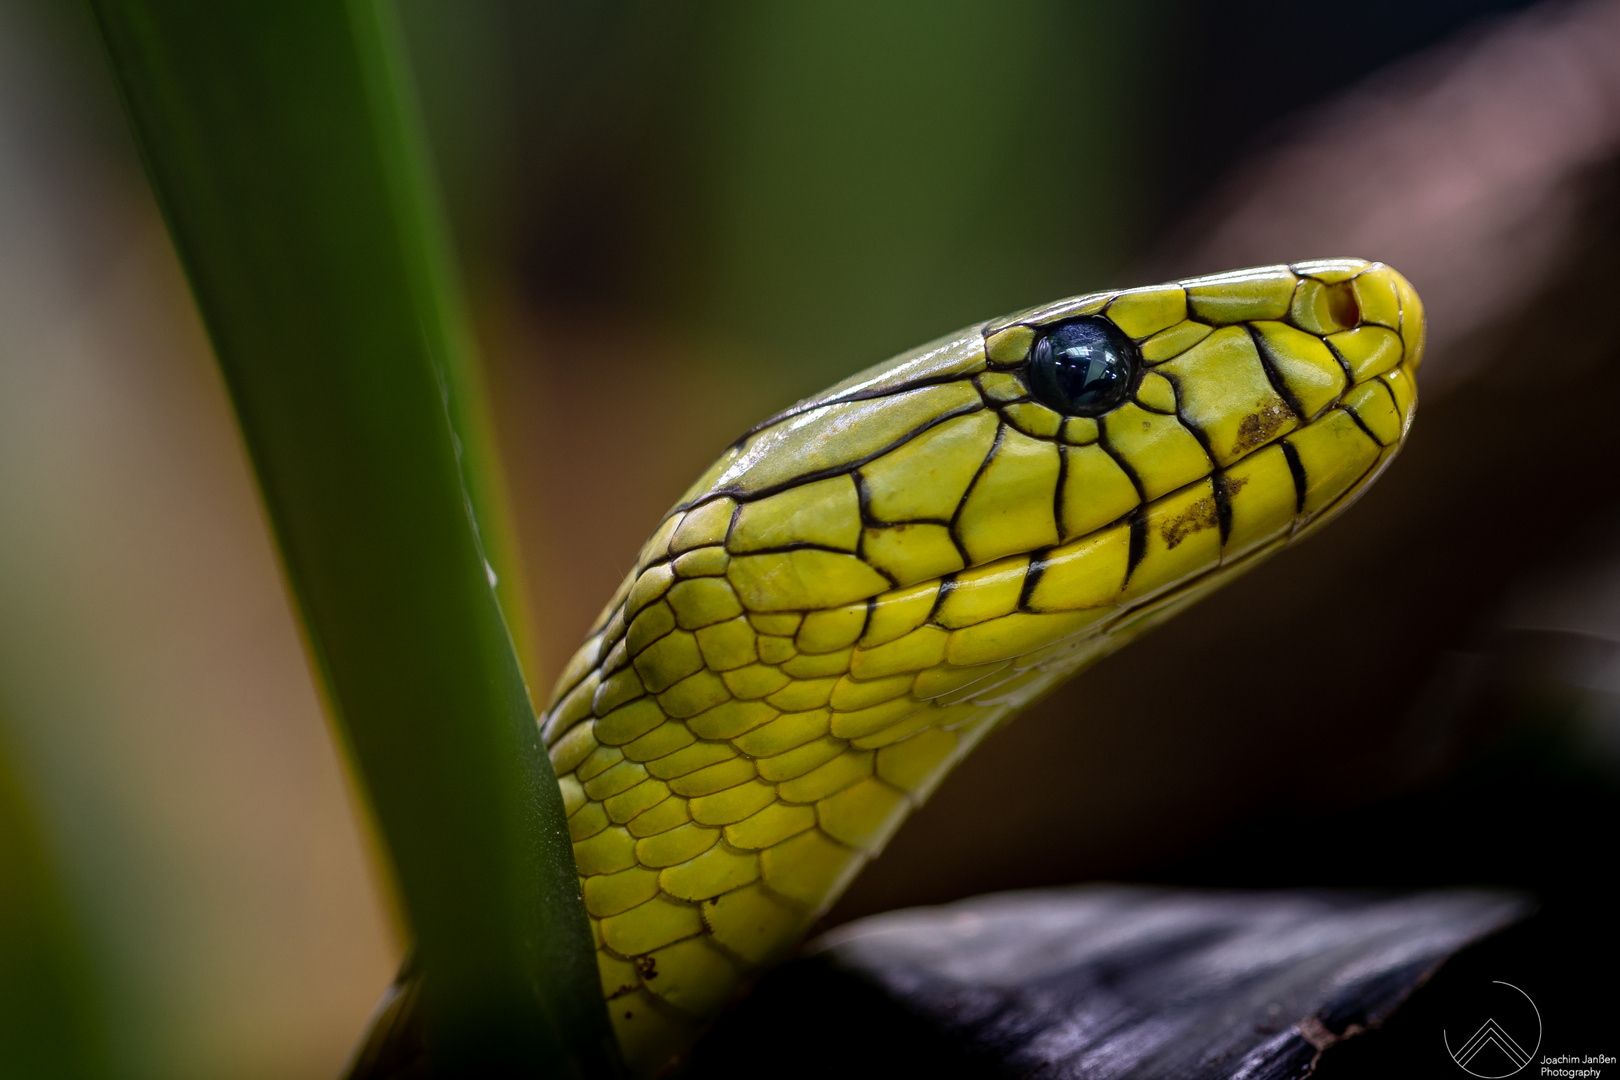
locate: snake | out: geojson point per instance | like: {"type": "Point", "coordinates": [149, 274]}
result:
{"type": "Point", "coordinates": [863, 586]}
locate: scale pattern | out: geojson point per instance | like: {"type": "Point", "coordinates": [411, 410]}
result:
{"type": "Point", "coordinates": [864, 586]}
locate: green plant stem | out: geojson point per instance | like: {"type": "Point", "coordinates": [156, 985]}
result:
{"type": "Point", "coordinates": [283, 150]}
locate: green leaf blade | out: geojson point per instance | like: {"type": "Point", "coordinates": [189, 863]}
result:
{"type": "Point", "coordinates": [285, 159]}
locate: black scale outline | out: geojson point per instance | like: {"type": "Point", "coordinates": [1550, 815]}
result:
{"type": "Point", "coordinates": [1135, 517]}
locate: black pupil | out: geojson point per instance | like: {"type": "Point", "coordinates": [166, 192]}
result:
{"type": "Point", "coordinates": [1083, 367]}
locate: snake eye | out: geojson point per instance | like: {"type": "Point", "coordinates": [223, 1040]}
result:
{"type": "Point", "coordinates": [1082, 368]}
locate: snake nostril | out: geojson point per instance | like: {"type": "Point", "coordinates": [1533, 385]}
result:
{"type": "Point", "coordinates": [1083, 368]}
{"type": "Point", "coordinates": [1342, 306]}
{"type": "Point", "coordinates": [1319, 308]}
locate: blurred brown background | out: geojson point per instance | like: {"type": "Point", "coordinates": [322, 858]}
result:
{"type": "Point", "coordinates": [676, 218]}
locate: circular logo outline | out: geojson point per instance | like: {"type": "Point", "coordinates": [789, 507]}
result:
{"type": "Point", "coordinates": [1491, 1031]}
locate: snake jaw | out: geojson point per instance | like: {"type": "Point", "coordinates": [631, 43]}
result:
{"type": "Point", "coordinates": [863, 586]}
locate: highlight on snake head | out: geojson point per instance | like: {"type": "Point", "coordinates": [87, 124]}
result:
{"type": "Point", "coordinates": [864, 585]}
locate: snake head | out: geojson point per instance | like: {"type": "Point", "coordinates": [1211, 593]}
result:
{"type": "Point", "coordinates": [1241, 410]}
{"type": "Point", "coordinates": [865, 584]}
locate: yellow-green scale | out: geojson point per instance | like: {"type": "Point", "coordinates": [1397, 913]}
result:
{"type": "Point", "coordinates": [860, 590]}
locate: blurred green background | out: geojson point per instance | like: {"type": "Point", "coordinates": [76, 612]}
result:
{"type": "Point", "coordinates": [673, 219]}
